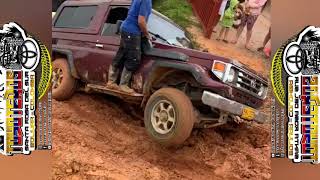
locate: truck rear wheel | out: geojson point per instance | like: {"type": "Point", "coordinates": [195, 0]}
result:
{"type": "Point", "coordinates": [169, 116]}
{"type": "Point", "coordinates": [63, 83]}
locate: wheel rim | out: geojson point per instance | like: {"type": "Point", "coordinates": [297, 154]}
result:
{"type": "Point", "coordinates": [57, 76]}
{"type": "Point", "coordinates": [163, 117]}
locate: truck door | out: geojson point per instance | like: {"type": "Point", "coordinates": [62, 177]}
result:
{"type": "Point", "coordinates": [108, 41]}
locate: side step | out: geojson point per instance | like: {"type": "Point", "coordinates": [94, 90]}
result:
{"type": "Point", "coordinates": [117, 93]}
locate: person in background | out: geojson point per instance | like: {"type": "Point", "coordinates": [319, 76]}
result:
{"type": "Point", "coordinates": [253, 9]}
{"type": "Point", "coordinates": [129, 53]}
{"type": "Point", "coordinates": [266, 40]}
{"type": "Point", "coordinates": [267, 50]}
{"type": "Point", "coordinates": [228, 20]}
{"type": "Point", "coordinates": [239, 14]}
{"type": "Point", "coordinates": [221, 12]}
{"type": "Point", "coordinates": [266, 46]}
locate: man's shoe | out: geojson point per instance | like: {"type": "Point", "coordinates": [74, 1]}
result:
{"type": "Point", "coordinates": [112, 85]}
{"type": "Point", "coordinates": [112, 77]}
{"type": "Point", "coordinates": [126, 89]}
{"type": "Point", "coordinates": [125, 81]}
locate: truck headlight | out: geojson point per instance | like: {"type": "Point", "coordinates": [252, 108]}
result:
{"type": "Point", "coordinates": [223, 71]}
{"type": "Point", "coordinates": [263, 92]}
{"type": "Point", "coordinates": [219, 68]}
{"type": "Point", "coordinates": [231, 75]}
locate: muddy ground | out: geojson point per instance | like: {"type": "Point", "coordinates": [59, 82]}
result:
{"type": "Point", "coordinates": [96, 138]}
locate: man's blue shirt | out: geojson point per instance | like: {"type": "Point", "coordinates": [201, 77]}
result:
{"type": "Point", "coordinates": [138, 8]}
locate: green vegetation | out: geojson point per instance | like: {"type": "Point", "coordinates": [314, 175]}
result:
{"type": "Point", "coordinates": [179, 11]}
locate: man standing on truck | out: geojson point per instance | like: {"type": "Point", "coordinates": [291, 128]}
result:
{"type": "Point", "coordinates": [132, 30]}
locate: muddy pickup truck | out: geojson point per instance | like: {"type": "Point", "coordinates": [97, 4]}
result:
{"type": "Point", "coordinates": [177, 87]}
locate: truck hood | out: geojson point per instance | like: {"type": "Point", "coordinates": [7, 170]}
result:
{"type": "Point", "coordinates": [206, 59]}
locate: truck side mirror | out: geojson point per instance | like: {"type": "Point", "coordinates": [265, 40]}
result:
{"type": "Point", "coordinates": [119, 22]}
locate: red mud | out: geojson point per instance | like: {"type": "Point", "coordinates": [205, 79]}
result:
{"type": "Point", "coordinates": [95, 138]}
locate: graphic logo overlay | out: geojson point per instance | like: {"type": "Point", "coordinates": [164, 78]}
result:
{"type": "Point", "coordinates": [25, 71]}
{"type": "Point", "coordinates": [295, 80]}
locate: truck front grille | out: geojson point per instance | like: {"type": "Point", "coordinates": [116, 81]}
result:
{"type": "Point", "coordinates": [249, 82]}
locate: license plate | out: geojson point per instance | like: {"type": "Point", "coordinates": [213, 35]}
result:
{"type": "Point", "coordinates": [248, 113]}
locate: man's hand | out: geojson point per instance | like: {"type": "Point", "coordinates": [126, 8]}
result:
{"type": "Point", "coordinates": [143, 26]}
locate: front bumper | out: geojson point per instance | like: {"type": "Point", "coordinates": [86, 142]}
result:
{"type": "Point", "coordinates": [233, 107]}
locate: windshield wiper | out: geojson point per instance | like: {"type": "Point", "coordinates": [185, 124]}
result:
{"type": "Point", "coordinates": [160, 37]}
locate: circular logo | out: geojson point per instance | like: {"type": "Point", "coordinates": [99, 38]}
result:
{"type": "Point", "coordinates": [29, 54]}
{"type": "Point", "coordinates": [294, 59]}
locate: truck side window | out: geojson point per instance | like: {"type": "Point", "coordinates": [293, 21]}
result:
{"type": "Point", "coordinates": [115, 14]}
{"type": "Point", "coordinates": [75, 17]}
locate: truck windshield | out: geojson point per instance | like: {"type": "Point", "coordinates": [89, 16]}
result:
{"type": "Point", "coordinates": [162, 26]}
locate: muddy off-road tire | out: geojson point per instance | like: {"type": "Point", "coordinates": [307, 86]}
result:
{"type": "Point", "coordinates": [169, 116]}
{"type": "Point", "coordinates": [63, 84]}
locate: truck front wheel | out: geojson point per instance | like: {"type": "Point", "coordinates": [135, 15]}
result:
{"type": "Point", "coordinates": [63, 83]}
{"type": "Point", "coordinates": [169, 116]}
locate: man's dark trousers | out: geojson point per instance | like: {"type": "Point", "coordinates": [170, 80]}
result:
{"type": "Point", "coordinates": [129, 53]}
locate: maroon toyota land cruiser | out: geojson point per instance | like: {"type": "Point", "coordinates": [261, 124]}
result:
{"type": "Point", "coordinates": [177, 87]}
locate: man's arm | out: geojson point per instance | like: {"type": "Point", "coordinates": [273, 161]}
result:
{"type": "Point", "coordinates": [142, 19]}
{"type": "Point", "coordinates": [143, 26]}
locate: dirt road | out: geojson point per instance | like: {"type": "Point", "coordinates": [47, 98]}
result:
{"type": "Point", "coordinates": [96, 138]}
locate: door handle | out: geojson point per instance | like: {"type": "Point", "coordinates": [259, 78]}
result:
{"type": "Point", "coordinates": [99, 45]}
